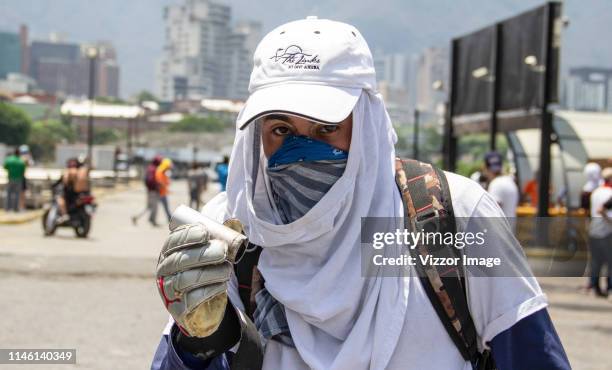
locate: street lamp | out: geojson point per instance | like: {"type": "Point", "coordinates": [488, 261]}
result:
{"type": "Point", "coordinates": [532, 62]}
{"type": "Point", "coordinates": [92, 55]}
{"type": "Point", "coordinates": [483, 74]}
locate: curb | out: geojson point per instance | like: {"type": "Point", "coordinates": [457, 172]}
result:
{"type": "Point", "coordinates": [535, 252]}
{"type": "Point", "coordinates": [10, 219]}
{"type": "Point", "coordinates": [29, 216]}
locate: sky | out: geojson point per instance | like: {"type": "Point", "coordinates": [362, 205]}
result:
{"type": "Point", "coordinates": [136, 27]}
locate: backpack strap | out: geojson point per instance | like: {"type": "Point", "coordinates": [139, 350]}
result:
{"type": "Point", "coordinates": [249, 279]}
{"type": "Point", "coordinates": [428, 208]}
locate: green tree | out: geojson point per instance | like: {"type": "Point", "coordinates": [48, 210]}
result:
{"type": "Point", "coordinates": [145, 95]}
{"type": "Point", "coordinates": [106, 135]}
{"type": "Point", "coordinates": [198, 124]}
{"type": "Point", "coordinates": [46, 135]}
{"type": "Point", "coordinates": [15, 125]}
{"type": "Point", "coordinates": [110, 100]}
{"type": "Point", "coordinates": [472, 149]}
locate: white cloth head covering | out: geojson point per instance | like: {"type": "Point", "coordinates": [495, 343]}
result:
{"type": "Point", "coordinates": [592, 171]}
{"type": "Point", "coordinates": [338, 318]}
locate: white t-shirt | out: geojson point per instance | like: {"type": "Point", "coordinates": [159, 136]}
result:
{"type": "Point", "coordinates": [495, 304]}
{"type": "Point", "coordinates": [600, 227]}
{"type": "Point", "coordinates": [506, 193]}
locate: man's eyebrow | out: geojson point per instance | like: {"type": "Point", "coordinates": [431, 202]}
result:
{"type": "Point", "coordinates": [280, 117]}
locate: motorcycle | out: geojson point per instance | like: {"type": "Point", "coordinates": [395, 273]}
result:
{"type": "Point", "coordinates": [79, 214]}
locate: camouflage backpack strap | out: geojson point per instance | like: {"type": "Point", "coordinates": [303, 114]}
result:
{"type": "Point", "coordinates": [428, 208]}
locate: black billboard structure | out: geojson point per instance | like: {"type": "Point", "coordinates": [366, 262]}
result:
{"type": "Point", "coordinates": [503, 78]}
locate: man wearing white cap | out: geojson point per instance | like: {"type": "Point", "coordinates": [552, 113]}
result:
{"type": "Point", "coordinates": [313, 154]}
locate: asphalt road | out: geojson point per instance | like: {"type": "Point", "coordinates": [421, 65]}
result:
{"type": "Point", "coordinates": [98, 295]}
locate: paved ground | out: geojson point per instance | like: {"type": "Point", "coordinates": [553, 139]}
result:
{"type": "Point", "coordinates": [98, 295]}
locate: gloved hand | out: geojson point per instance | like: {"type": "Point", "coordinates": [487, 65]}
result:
{"type": "Point", "coordinates": [193, 269]}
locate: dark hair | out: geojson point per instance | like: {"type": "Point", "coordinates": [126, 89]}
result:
{"type": "Point", "coordinates": [157, 160]}
{"type": "Point", "coordinates": [16, 152]}
{"type": "Point", "coordinates": [72, 163]}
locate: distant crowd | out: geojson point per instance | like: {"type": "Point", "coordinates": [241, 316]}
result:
{"type": "Point", "coordinates": [596, 202]}
{"type": "Point", "coordinates": [157, 179]}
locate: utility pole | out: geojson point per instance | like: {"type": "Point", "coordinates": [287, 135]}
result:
{"type": "Point", "coordinates": [92, 54]}
{"type": "Point", "coordinates": [546, 116]}
{"type": "Point", "coordinates": [415, 139]}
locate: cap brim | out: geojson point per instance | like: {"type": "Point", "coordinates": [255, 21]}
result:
{"type": "Point", "coordinates": [320, 103]}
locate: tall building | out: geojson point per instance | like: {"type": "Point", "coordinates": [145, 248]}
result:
{"type": "Point", "coordinates": [10, 53]}
{"type": "Point", "coordinates": [394, 69]}
{"type": "Point", "coordinates": [63, 68]}
{"type": "Point", "coordinates": [25, 49]}
{"type": "Point", "coordinates": [589, 89]}
{"type": "Point", "coordinates": [394, 74]}
{"type": "Point", "coordinates": [241, 46]}
{"type": "Point", "coordinates": [433, 65]}
{"type": "Point", "coordinates": [55, 67]}
{"type": "Point", "coordinates": [107, 69]}
{"type": "Point", "coordinates": [203, 55]}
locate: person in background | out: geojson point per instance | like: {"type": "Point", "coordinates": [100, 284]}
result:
{"type": "Point", "coordinates": [501, 187]}
{"type": "Point", "coordinates": [15, 168]}
{"type": "Point", "coordinates": [24, 154]}
{"type": "Point", "coordinates": [480, 178]}
{"type": "Point", "coordinates": [197, 181]}
{"type": "Point", "coordinates": [116, 157]}
{"type": "Point", "coordinates": [69, 194]}
{"type": "Point", "coordinates": [152, 193]}
{"type": "Point", "coordinates": [600, 233]}
{"type": "Point", "coordinates": [162, 176]}
{"type": "Point", "coordinates": [592, 171]}
{"type": "Point", "coordinates": [531, 189]}
{"type": "Point", "coordinates": [222, 171]}
{"type": "Point", "coordinates": [83, 184]}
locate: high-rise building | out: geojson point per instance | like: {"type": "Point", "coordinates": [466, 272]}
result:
{"type": "Point", "coordinates": [394, 69]}
{"type": "Point", "coordinates": [589, 89]}
{"type": "Point", "coordinates": [203, 55]}
{"type": "Point", "coordinates": [63, 68]}
{"type": "Point", "coordinates": [394, 74]}
{"type": "Point", "coordinates": [25, 49]}
{"type": "Point", "coordinates": [241, 46]}
{"type": "Point", "coordinates": [433, 65]}
{"type": "Point", "coordinates": [10, 53]}
{"type": "Point", "coordinates": [107, 69]}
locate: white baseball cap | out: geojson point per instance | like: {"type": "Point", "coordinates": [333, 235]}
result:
{"type": "Point", "coordinates": [312, 68]}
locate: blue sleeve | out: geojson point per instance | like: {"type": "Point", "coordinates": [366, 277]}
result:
{"type": "Point", "coordinates": [167, 357]}
{"type": "Point", "coordinates": [531, 343]}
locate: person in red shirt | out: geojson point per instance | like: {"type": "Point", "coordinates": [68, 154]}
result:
{"type": "Point", "coordinates": [531, 189]}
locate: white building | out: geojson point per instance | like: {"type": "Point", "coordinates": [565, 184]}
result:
{"type": "Point", "coordinates": [395, 75]}
{"type": "Point", "coordinates": [589, 89]}
{"type": "Point", "coordinates": [17, 83]}
{"type": "Point", "coordinates": [433, 65]}
{"type": "Point", "coordinates": [203, 55]}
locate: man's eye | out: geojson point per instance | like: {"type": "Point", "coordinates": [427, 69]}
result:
{"type": "Point", "coordinates": [327, 129]}
{"type": "Point", "coordinates": [281, 130]}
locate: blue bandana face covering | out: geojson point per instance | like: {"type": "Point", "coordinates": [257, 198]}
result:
{"type": "Point", "coordinates": [301, 171]}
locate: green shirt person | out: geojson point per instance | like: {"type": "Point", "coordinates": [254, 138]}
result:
{"type": "Point", "coordinates": [15, 168]}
